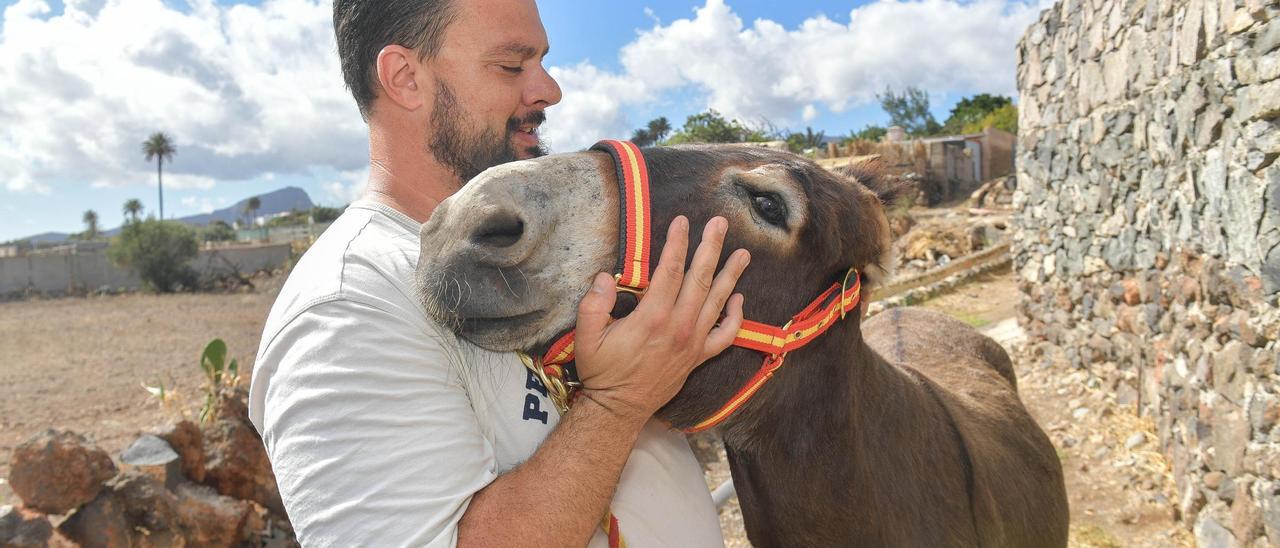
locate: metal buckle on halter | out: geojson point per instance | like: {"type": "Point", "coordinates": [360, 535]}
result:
{"type": "Point", "coordinates": [618, 286]}
{"type": "Point", "coordinates": [844, 287]}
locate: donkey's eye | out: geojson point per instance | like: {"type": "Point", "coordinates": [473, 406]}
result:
{"type": "Point", "coordinates": [771, 207]}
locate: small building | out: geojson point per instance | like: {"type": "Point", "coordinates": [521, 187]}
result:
{"type": "Point", "coordinates": [949, 167]}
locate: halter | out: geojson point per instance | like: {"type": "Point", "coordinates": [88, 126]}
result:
{"type": "Point", "coordinates": [632, 276]}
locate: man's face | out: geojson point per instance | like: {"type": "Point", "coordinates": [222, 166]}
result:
{"type": "Point", "coordinates": [491, 88]}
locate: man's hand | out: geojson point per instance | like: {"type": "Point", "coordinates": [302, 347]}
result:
{"type": "Point", "coordinates": [637, 364]}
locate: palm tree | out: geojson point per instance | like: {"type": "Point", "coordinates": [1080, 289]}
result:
{"type": "Point", "coordinates": [132, 208]}
{"type": "Point", "coordinates": [159, 146]}
{"type": "Point", "coordinates": [251, 209]}
{"type": "Point", "coordinates": [659, 128]}
{"type": "Point", "coordinates": [90, 225]}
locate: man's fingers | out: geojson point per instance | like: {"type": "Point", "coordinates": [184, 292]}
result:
{"type": "Point", "coordinates": [721, 288]}
{"type": "Point", "coordinates": [593, 313]}
{"type": "Point", "coordinates": [722, 336]}
{"type": "Point", "coordinates": [669, 273]}
{"type": "Point", "coordinates": [702, 270]}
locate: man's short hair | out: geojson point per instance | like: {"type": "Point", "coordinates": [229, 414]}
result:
{"type": "Point", "coordinates": [364, 27]}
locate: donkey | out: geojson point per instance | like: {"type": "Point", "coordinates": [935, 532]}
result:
{"type": "Point", "coordinates": [903, 430]}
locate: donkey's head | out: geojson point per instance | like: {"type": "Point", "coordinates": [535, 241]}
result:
{"type": "Point", "coordinates": [506, 260]}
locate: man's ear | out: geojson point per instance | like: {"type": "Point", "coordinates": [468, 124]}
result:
{"type": "Point", "coordinates": [397, 72]}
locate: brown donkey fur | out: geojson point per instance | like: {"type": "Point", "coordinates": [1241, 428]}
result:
{"type": "Point", "coordinates": [903, 430]}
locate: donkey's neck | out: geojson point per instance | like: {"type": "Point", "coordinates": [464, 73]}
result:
{"type": "Point", "coordinates": [824, 393]}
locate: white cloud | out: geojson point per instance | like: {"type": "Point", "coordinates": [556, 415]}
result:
{"type": "Point", "coordinates": [241, 89]}
{"type": "Point", "coordinates": [765, 72]}
{"type": "Point", "coordinates": [347, 187]}
{"type": "Point", "coordinates": [198, 204]}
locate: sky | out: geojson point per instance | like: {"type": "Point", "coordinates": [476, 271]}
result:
{"type": "Point", "coordinates": [252, 94]}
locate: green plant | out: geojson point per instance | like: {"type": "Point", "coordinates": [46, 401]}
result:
{"type": "Point", "coordinates": [218, 231]}
{"type": "Point", "coordinates": [160, 147]}
{"type": "Point", "coordinates": [971, 110]}
{"type": "Point", "coordinates": [158, 251]}
{"type": "Point", "coordinates": [711, 127]}
{"type": "Point", "coordinates": [1004, 118]}
{"type": "Point", "coordinates": [219, 374]}
{"type": "Point", "coordinates": [910, 111]}
{"type": "Point", "coordinates": [322, 214]}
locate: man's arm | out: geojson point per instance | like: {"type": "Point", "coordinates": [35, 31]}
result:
{"type": "Point", "coordinates": [629, 369]}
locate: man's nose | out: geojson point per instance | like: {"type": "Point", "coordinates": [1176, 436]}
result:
{"type": "Point", "coordinates": [543, 90]}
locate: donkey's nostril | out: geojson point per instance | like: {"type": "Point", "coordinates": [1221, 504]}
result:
{"type": "Point", "coordinates": [502, 229]}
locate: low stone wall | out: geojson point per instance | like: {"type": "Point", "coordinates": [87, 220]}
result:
{"type": "Point", "coordinates": [1148, 231]}
{"type": "Point", "coordinates": [91, 271]}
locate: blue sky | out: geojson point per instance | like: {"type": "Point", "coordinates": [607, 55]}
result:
{"type": "Point", "coordinates": [83, 83]}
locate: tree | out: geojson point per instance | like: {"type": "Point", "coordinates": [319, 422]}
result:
{"type": "Point", "coordinates": [659, 128]}
{"type": "Point", "coordinates": [1004, 118]}
{"type": "Point", "coordinates": [158, 251]}
{"type": "Point", "coordinates": [321, 214]}
{"type": "Point", "coordinates": [218, 231]}
{"type": "Point", "coordinates": [971, 110]}
{"type": "Point", "coordinates": [711, 127]}
{"type": "Point", "coordinates": [90, 224]}
{"type": "Point", "coordinates": [159, 147]}
{"type": "Point", "coordinates": [132, 208]}
{"type": "Point", "coordinates": [799, 142]}
{"type": "Point", "coordinates": [910, 110]}
{"type": "Point", "coordinates": [871, 133]}
{"type": "Point", "coordinates": [655, 131]}
{"type": "Point", "coordinates": [251, 209]}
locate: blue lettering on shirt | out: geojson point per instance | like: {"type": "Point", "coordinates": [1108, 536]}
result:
{"type": "Point", "coordinates": [532, 403]}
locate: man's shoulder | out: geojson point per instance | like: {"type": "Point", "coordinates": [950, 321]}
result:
{"type": "Point", "coordinates": [368, 256]}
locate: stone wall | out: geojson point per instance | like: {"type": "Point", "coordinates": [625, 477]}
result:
{"type": "Point", "coordinates": [1148, 231]}
{"type": "Point", "coordinates": [90, 271]}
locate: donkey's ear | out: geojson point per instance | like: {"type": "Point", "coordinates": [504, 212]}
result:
{"type": "Point", "coordinates": [894, 192]}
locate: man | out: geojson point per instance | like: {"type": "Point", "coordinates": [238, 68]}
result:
{"type": "Point", "coordinates": [386, 430]}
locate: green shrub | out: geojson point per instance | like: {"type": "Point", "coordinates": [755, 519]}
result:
{"type": "Point", "coordinates": [218, 231]}
{"type": "Point", "coordinates": [158, 251]}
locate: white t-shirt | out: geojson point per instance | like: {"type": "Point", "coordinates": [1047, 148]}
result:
{"type": "Point", "coordinates": [380, 425]}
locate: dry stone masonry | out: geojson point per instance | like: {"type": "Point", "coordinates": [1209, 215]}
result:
{"type": "Point", "coordinates": [1148, 231]}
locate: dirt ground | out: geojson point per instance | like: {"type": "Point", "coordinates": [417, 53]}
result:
{"type": "Point", "coordinates": [80, 363]}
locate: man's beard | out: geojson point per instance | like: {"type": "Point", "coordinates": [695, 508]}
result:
{"type": "Point", "coordinates": [468, 154]}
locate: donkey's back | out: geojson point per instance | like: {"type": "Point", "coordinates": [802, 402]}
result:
{"type": "Point", "coordinates": [1017, 495]}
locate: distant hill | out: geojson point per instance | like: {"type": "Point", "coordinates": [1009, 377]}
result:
{"type": "Point", "coordinates": [284, 200]}
{"type": "Point", "coordinates": [47, 238]}
{"type": "Point", "coordinates": [287, 199]}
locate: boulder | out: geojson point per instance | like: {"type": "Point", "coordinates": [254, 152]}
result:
{"type": "Point", "coordinates": [21, 528]}
{"type": "Point", "coordinates": [236, 464]}
{"type": "Point", "coordinates": [153, 456]}
{"type": "Point", "coordinates": [186, 439]}
{"type": "Point", "coordinates": [56, 471]}
{"type": "Point", "coordinates": [135, 509]}
{"type": "Point", "coordinates": [210, 519]}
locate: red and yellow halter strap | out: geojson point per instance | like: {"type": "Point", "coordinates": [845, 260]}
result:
{"type": "Point", "coordinates": [633, 277]}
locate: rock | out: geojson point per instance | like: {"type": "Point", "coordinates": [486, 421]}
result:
{"type": "Point", "coordinates": [22, 528]}
{"type": "Point", "coordinates": [236, 464]}
{"type": "Point", "coordinates": [153, 456]}
{"type": "Point", "coordinates": [1246, 516]}
{"type": "Point", "coordinates": [1211, 534]}
{"type": "Point", "coordinates": [1213, 480]}
{"type": "Point", "coordinates": [185, 438]}
{"type": "Point", "coordinates": [135, 509]}
{"type": "Point", "coordinates": [1230, 437]}
{"type": "Point", "coordinates": [1135, 440]}
{"type": "Point", "coordinates": [56, 471]}
{"type": "Point", "coordinates": [210, 519]}
{"type": "Point", "coordinates": [1132, 292]}
{"type": "Point", "coordinates": [233, 405]}
{"type": "Point", "coordinates": [1230, 369]}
